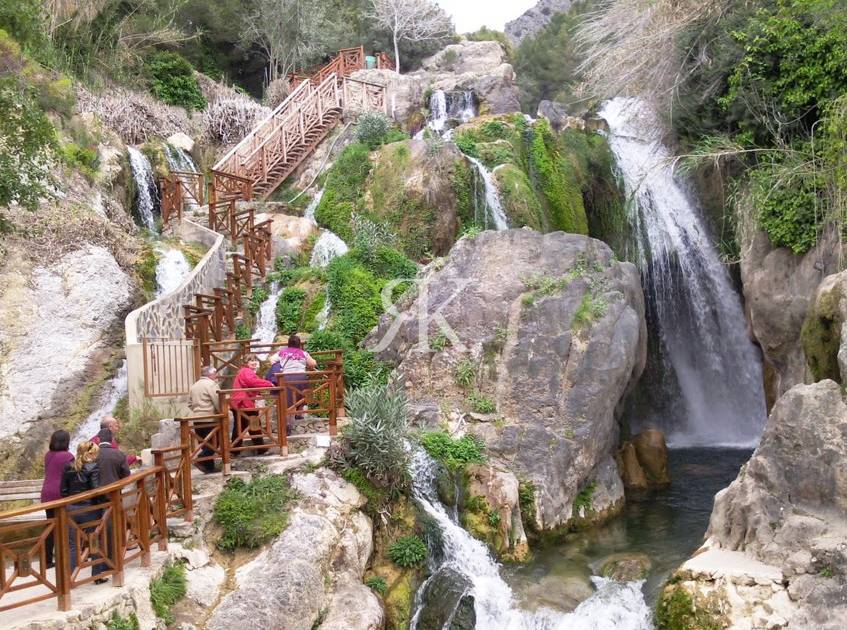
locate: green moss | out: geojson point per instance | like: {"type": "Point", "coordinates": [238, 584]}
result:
{"type": "Point", "coordinates": [518, 198]}
{"type": "Point", "coordinates": [310, 316]}
{"type": "Point", "coordinates": [462, 180]}
{"type": "Point", "coordinates": [355, 296]}
{"type": "Point", "coordinates": [252, 513]}
{"type": "Point", "coordinates": [821, 336]}
{"type": "Point", "coordinates": [344, 190]}
{"type": "Point", "coordinates": [455, 454]}
{"type": "Point", "coordinates": [376, 497]}
{"type": "Point", "coordinates": [289, 310]}
{"type": "Point", "coordinates": [145, 266]}
{"type": "Point", "coordinates": [676, 610]}
{"type": "Point", "coordinates": [584, 499]}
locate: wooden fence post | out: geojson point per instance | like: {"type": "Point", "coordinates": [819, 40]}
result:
{"type": "Point", "coordinates": [282, 417]}
{"type": "Point", "coordinates": [118, 534]}
{"type": "Point", "coordinates": [142, 513]}
{"type": "Point", "coordinates": [161, 506]}
{"type": "Point", "coordinates": [185, 465]}
{"type": "Point", "coordinates": [63, 561]}
{"type": "Point", "coordinates": [223, 405]}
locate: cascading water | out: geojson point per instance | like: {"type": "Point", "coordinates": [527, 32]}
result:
{"type": "Point", "coordinates": [146, 192]}
{"type": "Point", "coordinates": [444, 107]}
{"type": "Point", "coordinates": [327, 247]}
{"type": "Point", "coordinates": [180, 160]}
{"type": "Point", "coordinates": [116, 389]}
{"type": "Point", "coordinates": [613, 605]}
{"type": "Point", "coordinates": [173, 267]}
{"type": "Point", "coordinates": [266, 321]}
{"type": "Point", "coordinates": [709, 385]}
{"type": "Point", "coordinates": [309, 213]}
{"type": "Point", "coordinates": [487, 199]}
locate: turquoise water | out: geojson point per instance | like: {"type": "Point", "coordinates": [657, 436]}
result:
{"type": "Point", "coordinates": [667, 526]}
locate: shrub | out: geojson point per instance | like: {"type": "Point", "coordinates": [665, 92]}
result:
{"type": "Point", "coordinates": [257, 297]}
{"type": "Point", "coordinates": [167, 590]}
{"type": "Point", "coordinates": [343, 190]}
{"type": "Point", "coordinates": [480, 403]}
{"type": "Point", "coordinates": [372, 129]}
{"type": "Point", "coordinates": [454, 454]}
{"type": "Point", "coordinates": [172, 80]}
{"type": "Point", "coordinates": [377, 583]}
{"type": "Point", "coordinates": [228, 120]}
{"type": "Point", "coordinates": [85, 159]}
{"type": "Point", "coordinates": [123, 623]}
{"type": "Point", "coordinates": [289, 310]}
{"type": "Point", "coordinates": [376, 436]}
{"type": "Point", "coordinates": [362, 367]}
{"type": "Point", "coordinates": [376, 496]}
{"type": "Point", "coordinates": [465, 373]}
{"type": "Point", "coordinates": [355, 295]}
{"type": "Point", "coordinates": [408, 551]}
{"type": "Point", "coordinates": [252, 513]}
{"type": "Point", "coordinates": [242, 331]}
{"type": "Point", "coordinates": [327, 339]}
{"type": "Point", "coordinates": [675, 610]}
{"type": "Point", "coordinates": [526, 497]}
{"type": "Point", "coordinates": [584, 498]}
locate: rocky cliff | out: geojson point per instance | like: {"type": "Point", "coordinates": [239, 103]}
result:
{"type": "Point", "coordinates": [536, 18]}
{"type": "Point", "coordinates": [542, 334]}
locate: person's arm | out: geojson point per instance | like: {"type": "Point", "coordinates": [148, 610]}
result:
{"type": "Point", "coordinates": [94, 478]}
{"type": "Point", "coordinates": [124, 469]}
{"type": "Point", "coordinates": [65, 487]}
{"type": "Point", "coordinates": [216, 399]}
{"type": "Point", "coordinates": [251, 380]}
{"type": "Point", "coordinates": [311, 364]}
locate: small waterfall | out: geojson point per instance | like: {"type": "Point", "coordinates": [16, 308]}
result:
{"type": "Point", "coordinates": [180, 160]}
{"type": "Point", "coordinates": [613, 605]}
{"type": "Point", "coordinates": [708, 386]}
{"type": "Point", "coordinates": [488, 199]}
{"type": "Point", "coordinates": [444, 107]}
{"type": "Point", "coordinates": [115, 389]}
{"type": "Point", "coordinates": [327, 247]}
{"type": "Point", "coordinates": [146, 192]}
{"type": "Point", "coordinates": [323, 317]}
{"type": "Point", "coordinates": [309, 213]}
{"type": "Point", "coordinates": [266, 321]}
{"type": "Point", "coordinates": [173, 267]}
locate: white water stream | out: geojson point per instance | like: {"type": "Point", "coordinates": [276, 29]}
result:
{"type": "Point", "coordinates": [171, 270]}
{"type": "Point", "coordinates": [614, 605]}
{"type": "Point", "coordinates": [145, 186]}
{"type": "Point", "coordinates": [693, 308]}
{"type": "Point", "coordinates": [488, 199]}
{"type": "Point", "coordinates": [266, 318]}
{"type": "Point", "coordinates": [115, 390]}
{"type": "Point", "coordinates": [180, 160]}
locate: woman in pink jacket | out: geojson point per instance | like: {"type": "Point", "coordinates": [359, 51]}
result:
{"type": "Point", "coordinates": [55, 461]}
{"type": "Point", "coordinates": [246, 379]}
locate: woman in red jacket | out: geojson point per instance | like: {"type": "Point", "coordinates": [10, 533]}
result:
{"type": "Point", "coordinates": [246, 401]}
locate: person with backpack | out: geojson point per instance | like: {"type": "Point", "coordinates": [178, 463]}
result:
{"type": "Point", "coordinates": [79, 476]}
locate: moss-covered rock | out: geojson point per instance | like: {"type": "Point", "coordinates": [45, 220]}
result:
{"type": "Point", "coordinates": [677, 609]}
{"type": "Point", "coordinates": [821, 332]}
{"type": "Point", "coordinates": [519, 200]}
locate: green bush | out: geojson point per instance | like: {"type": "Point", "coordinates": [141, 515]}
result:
{"type": "Point", "coordinates": [480, 403]}
{"type": "Point", "coordinates": [327, 339]}
{"type": "Point", "coordinates": [375, 438]}
{"type": "Point", "coordinates": [355, 295]}
{"type": "Point", "coordinates": [377, 584]}
{"type": "Point", "coordinates": [675, 610]}
{"type": "Point", "coordinates": [372, 129]}
{"type": "Point", "coordinates": [454, 454]}
{"type": "Point", "coordinates": [789, 207]}
{"type": "Point", "coordinates": [242, 331]}
{"type": "Point", "coordinates": [172, 80]}
{"type": "Point", "coordinates": [123, 623]}
{"type": "Point", "coordinates": [253, 513]}
{"type": "Point", "coordinates": [289, 310]}
{"type": "Point", "coordinates": [344, 189]}
{"type": "Point", "coordinates": [408, 551]}
{"type": "Point", "coordinates": [376, 496]}
{"type": "Point", "coordinates": [167, 590]}
{"type": "Point", "coordinates": [362, 367]}
{"type": "Point", "coordinates": [465, 373]}
{"type": "Point", "coordinates": [257, 297]}
{"type": "Point", "coordinates": [85, 159]}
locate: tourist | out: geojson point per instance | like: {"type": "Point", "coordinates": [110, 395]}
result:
{"type": "Point", "coordinates": [81, 475]}
{"type": "Point", "coordinates": [113, 425]}
{"type": "Point", "coordinates": [203, 401]}
{"type": "Point", "coordinates": [272, 374]}
{"type": "Point", "coordinates": [293, 363]}
{"type": "Point", "coordinates": [244, 403]}
{"type": "Point", "coordinates": [55, 461]}
{"type": "Point", "coordinates": [113, 466]}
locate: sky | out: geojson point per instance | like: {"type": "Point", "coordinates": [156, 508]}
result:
{"type": "Point", "coordinates": [469, 15]}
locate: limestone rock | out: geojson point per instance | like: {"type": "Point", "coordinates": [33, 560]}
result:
{"type": "Point", "coordinates": [778, 287]}
{"type": "Point", "coordinates": [625, 567]}
{"type": "Point", "coordinates": [554, 328]}
{"type": "Point", "coordinates": [500, 490]}
{"type": "Point", "coordinates": [824, 345]}
{"type": "Point", "coordinates": [534, 19]}
{"type": "Point", "coordinates": [445, 598]}
{"type": "Point", "coordinates": [204, 584]}
{"type": "Point", "coordinates": [315, 565]}
{"type": "Point", "coordinates": [632, 473]}
{"type": "Point", "coordinates": [181, 141]}
{"type": "Point", "coordinates": [652, 453]}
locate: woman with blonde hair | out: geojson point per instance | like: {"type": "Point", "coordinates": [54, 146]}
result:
{"type": "Point", "coordinates": [81, 475]}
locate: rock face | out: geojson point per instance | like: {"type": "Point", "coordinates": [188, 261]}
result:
{"type": "Point", "coordinates": [778, 288]}
{"type": "Point", "coordinates": [644, 460]}
{"type": "Point", "coordinates": [481, 67]}
{"type": "Point", "coordinates": [535, 19]}
{"type": "Point", "coordinates": [55, 321]}
{"type": "Point", "coordinates": [499, 488]}
{"type": "Point", "coordinates": [550, 330]}
{"type": "Point", "coordinates": [785, 519]}
{"type": "Point", "coordinates": [823, 333]}
{"type": "Point", "coordinates": [314, 568]}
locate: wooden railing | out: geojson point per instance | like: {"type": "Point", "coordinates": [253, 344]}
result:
{"type": "Point", "coordinates": [125, 520]}
{"type": "Point", "coordinates": [180, 188]}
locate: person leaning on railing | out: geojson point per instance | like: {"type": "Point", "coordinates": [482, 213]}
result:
{"type": "Point", "coordinates": [203, 401]}
{"type": "Point", "coordinates": [81, 475]}
{"type": "Point", "coordinates": [55, 461]}
{"type": "Point", "coordinates": [246, 402]}
{"type": "Point", "coordinates": [293, 363]}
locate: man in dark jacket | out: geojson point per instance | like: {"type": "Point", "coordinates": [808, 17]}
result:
{"type": "Point", "coordinates": [112, 465]}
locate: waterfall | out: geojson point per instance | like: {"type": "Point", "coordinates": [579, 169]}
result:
{"type": "Point", "coordinates": [180, 160]}
{"type": "Point", "coordinates": [173, 267]}
{"type": "Point", "coordinates": [457, 106]}
{"type": "Point", "coordinates": [327, 247]}
{"type": "Point", "coordinates": [709, 386]}
{"type": "Point", "coordinates": [488, 198]}
{"type": "Point", "coordinates": [266, 321]}
{"type": "Point", "coordinates": [613, 605]}
{"type": "Point", "coordinates": [309, 213]}
{"type": "Point", "coordinates": [115, 389]}
{"type": "Point", "coordinates": [146, 192]}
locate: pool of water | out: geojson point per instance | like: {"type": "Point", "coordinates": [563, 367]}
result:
{"type": "Point", "coordinates": [667, 526]}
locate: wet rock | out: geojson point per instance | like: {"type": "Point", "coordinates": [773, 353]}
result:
{"type": "Point", "coordinates": [499, 488]}
{"type": "Point", "coordinates": [556, 377]}
{"type": "Point", "coordinates": [631, 471]}
{"type": "Point", "coordinates": [625, 567]}
{"type": "Point", "coordinates": [446, 595]}
{"type": "Point", "coordinates": [652, 453]}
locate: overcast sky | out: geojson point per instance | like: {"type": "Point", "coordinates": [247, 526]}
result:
{"type": "Point", "coordinates": [469, 15]}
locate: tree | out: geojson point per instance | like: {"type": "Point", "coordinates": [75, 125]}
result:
{"type": "Point", "coordinates": [411, 20]}
{"type": "Point", "coordinates": [288, 32]}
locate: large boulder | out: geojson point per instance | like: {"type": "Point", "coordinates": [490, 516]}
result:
{"type": "Point", "coordinates": [313, 569]}
{"type": "Point", "coordinates": [500, 490]}
{"type": "Point", "coordinates": [533, 20]}
{"type": "Point", "coordinates": [823, 333]}
{"type": "Point", "coordinates": [778, 288]}
{"type": "Point", "coordinates": [548, 330]}
{"type": "Point", "coordinates": [775, 549]}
